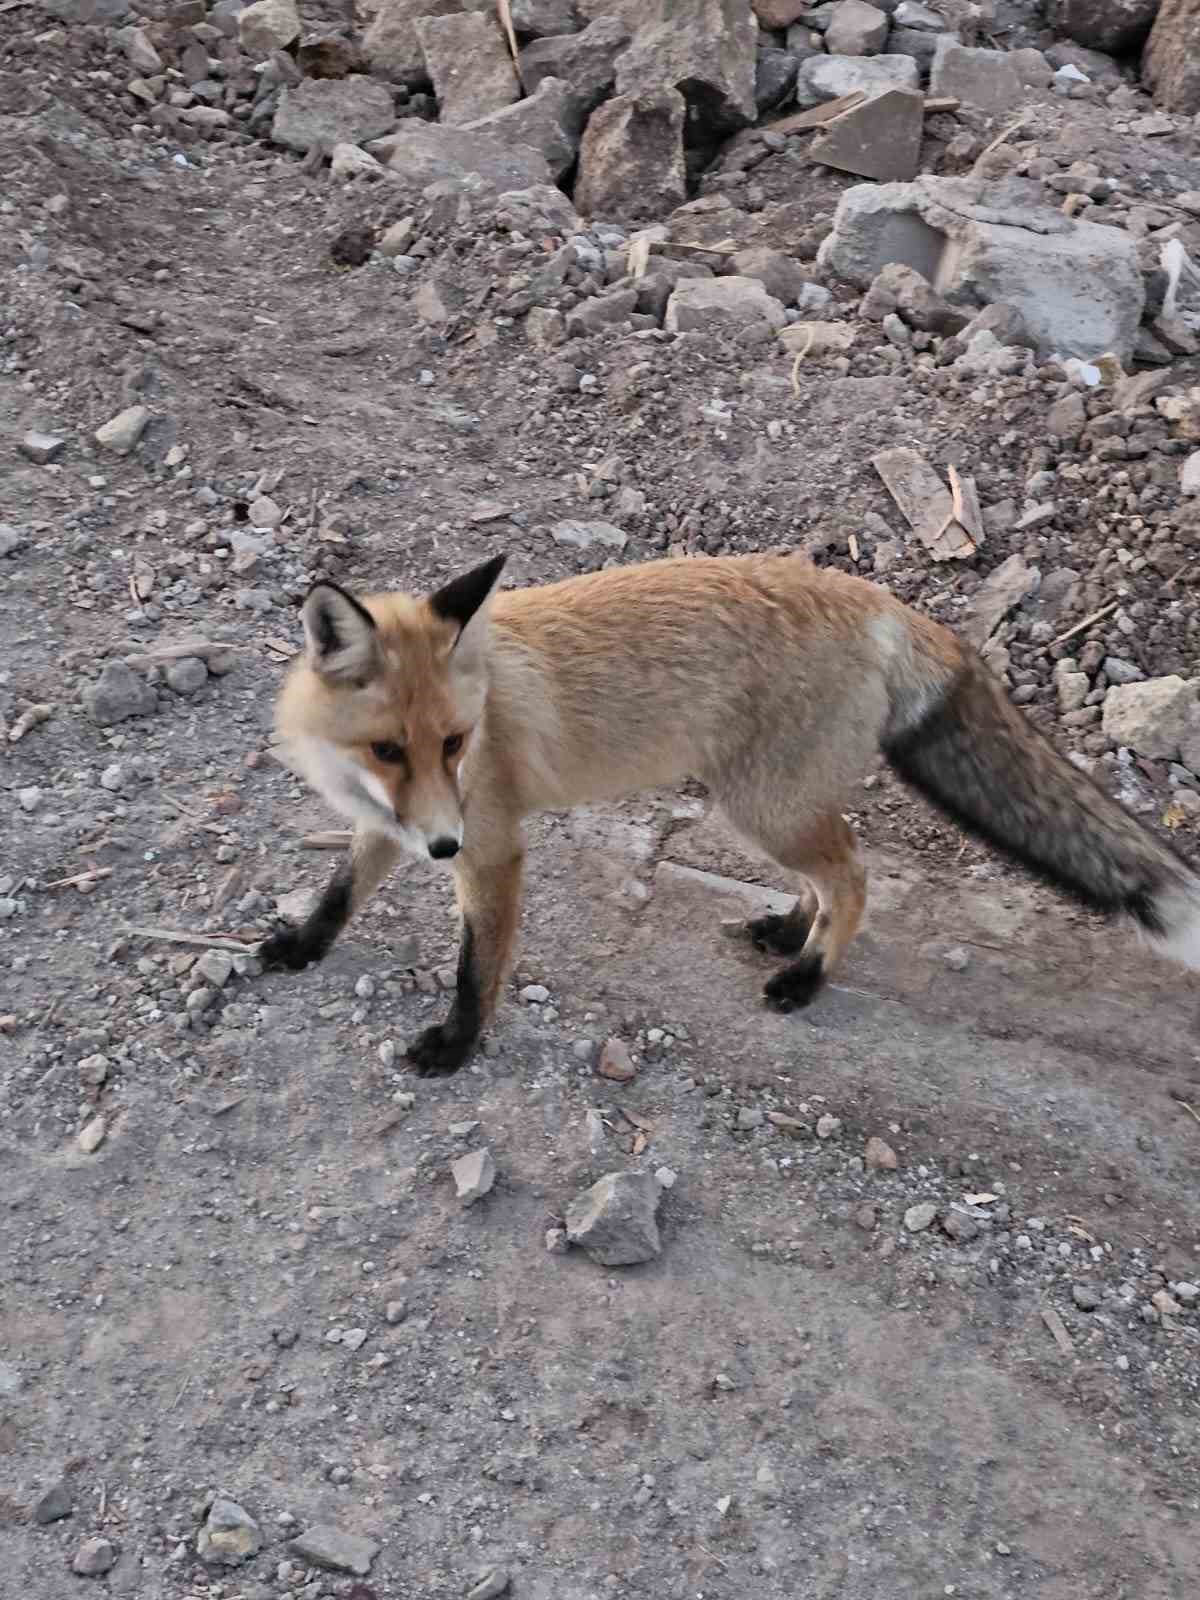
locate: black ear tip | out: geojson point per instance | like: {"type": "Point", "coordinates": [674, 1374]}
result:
{"type": "Point", "coordinates": [459, 600]}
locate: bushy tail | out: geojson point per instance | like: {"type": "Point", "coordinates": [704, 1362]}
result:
{"type": "Point", "coordinates": [982, 762]}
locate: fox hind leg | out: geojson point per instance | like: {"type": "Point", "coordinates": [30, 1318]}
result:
{"type": "Point", "coordinates": [785, 935]}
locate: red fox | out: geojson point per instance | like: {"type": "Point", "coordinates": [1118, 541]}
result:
{"type": "Point", "coordinates": [436, 724]}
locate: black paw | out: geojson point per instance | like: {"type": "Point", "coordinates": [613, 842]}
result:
{"type": "Point", "coordinates": [440, 1051]}
{"type": "Point", "coordinates": [288, 951]}
{"type": "Point", "coordinates": [781, 936]}
{"type": "Point", "coordinates": [796, 985]}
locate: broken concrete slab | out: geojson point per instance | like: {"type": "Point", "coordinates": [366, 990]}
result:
{"type": "Point", "coordinates": [830, 77]}
{"type": "Point", "coordinates": [950, 530]}
{"type": "Point", "coordinates": [631, 162]}
{"type": "Point", "coordinates": [615, 1220]}
{"type": "Point", "coordinates": [1001, 591]}
{"type": "Point", "coordinates": [544, 122]}
{"type": "Point", "coordinates": [986, 80]}
{"type": "Point", "coordinates": [427, 152]}
{"type": "Point", "coordinates": [705, 49]}
{"type": "Point", "coordinates": [722, 305]}
{"type": "Point", "coordinates": [329, 111]}
{"type": "Point", "coordinates": [879, 138]}
{"type": "Point", "coordinates": [1077, 285]}
{"type": "Point", "coordinates": [469, 63]}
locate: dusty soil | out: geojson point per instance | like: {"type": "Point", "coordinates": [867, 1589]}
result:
{"type": "Point", "coordinates": [802, 1396]}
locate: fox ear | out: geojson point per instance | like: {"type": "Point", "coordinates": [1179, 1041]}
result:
{"type": "Point", "coordinates": [339, 634]}
{"type": "Point", "coordinates": [463, 597]}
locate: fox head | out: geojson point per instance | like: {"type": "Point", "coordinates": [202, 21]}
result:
{"type": "Point", "coordinates": [379, 713]}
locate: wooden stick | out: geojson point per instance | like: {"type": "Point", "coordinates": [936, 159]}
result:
{"type": "Point", "coordinates": [1096, 616]}
{"type": "Point", "coordinates": [203, 941]}
{"type": "Point", "coordinates": [333, 839]}
{"type": "Point", "coordinates": [92, 875]}
{"type": "Point", "coordinates": [1058, 1330]}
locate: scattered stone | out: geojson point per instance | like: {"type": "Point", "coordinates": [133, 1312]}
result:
{"type": "Point", "coordinates": [583, 535]}
{"type": "Point", "coordinates": [118, 694]}
{"type": "Point", "coordinates": [823, 78]}
{"type": "Point", "coordinates": [828, 1126]}
{"type": "Point", "coordinates": [187, 675]}
{"type": "Point", "coordinates": [11, 539]}
{"type": "Point", "coordinates": [749, 1117]}
{"type": "Point", "coordinates": [1166, 1304]}
{"type": "Point", "coordinates": [1151, 718]}
{"type": "Point", "coordinates": [123, 431]}
{"type": "Point", "coordinates": [353, 1339]}
{"type": "Point", "coordinates": [94, 1558]}
{"type": "Point", "coordinates": [331, 111]}
{"type": "Point", "coordinates": [473, 1174]}
{"type": "Point", "coordinates": [879, 1155]}
{"type": "Point", "coordinates": [1170, 63]}
{"type": "Point", "coordinates": [1067, 418]}
{"type": "Point", "coordinates": [1001, 591]}
{"type": "Point", "coordinates": [92, 1135]}
{"type": "Point", "coordinates": [229, 1536]}
{"type": "Point", "coordinates": [615, 1220]}
{"type": "Point", "coordinates": [348, 161]}
{"type": "Point", "coordinates": [493, 1583]}
{"type": "Point", "coordinates": [959, 1226]}
{"type": "Point", "coordinates": [722, 305]}
{"type": "Point", "coordinates": [395, 1312]}
{"type": "Point", "coordinates": [41, 447]}
{"type": "Point", "coordinates": [334, 1550]}
{"type": "Point", "coordinates": [880, 138]}
{"type": "Point", "coordinates": [781, 275]}
{"type": "Point", "coordinates": [545, 121]}
{"type": "Point", "coordinates": [705, 49]}
{"type": "Point", "coordinates": [54, 1505]}
{"type": "Point", "coordinates": [902, 289]}
{"type": "Point", "coordinates": [428, 152]}
{"type": "Point", "coordinates": [986, 80]}
{"type": "Point", "coordinates": [268, 25]}
{"type": "Point", "coordinates": [957, 959]}
{"type": "Point", "coordinates": [919, 1217]}
{"type": "Point", "coordinates": [1114, 26]}
{"type": "Point", "coordinates": [856, 29]}
{"type": "Point", "coordinates": [615, 1062]}
{"type": "Point", "coordinates": [390, 44]}
{"type": "Point", "coordinates": [215, 967]}
{"type": "Point", "coordinates": [867, 1218]}
{"type": "Point", "coordinates": [1085, 1295]}
{"type": "Point", "coordinates": [468, 60]}
{"type": "Point", "coordinates": [631, 162]}
{"type": "Point", "coordinates": [557, 1242]}
{"type": "Point", "coordinates": [585, 62]}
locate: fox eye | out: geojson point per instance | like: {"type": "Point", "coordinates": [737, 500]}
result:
{"type": "Point", "coordinates": [453, 744]}
{"type": "Point", "coordinates": [386, 751]}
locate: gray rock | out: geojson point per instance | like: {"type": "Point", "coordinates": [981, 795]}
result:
{"type": "Point", "coordinates": [1072, 686]}
{"type": "Point", "coordinates": [774, 78]}
{"type": "Point", "coordinates": [427, 152]}
{"type": "Point", "coordinates": [123, 431]}
{"type": "Point", "coordinates": [912, 14]}
{"type": "Point", "coordinates": [903, 290]}
{"type": "Point", "coordinates": [10, 1379]}
{"type": "Point", "coordinates": [1067, 418]}
{"type": "Point", "coordinates": [1013, 581]}
{"type": "Point", "coordinates": [41, 447]}
{"type": "Point", "coordinates": [704, 49]}
{"type": "Point", "coordinates": [94, 1558]}
{"type": "Point", "coordinates": [615, 1220]}
{"type": "Point", "coordinates": [1077, 285]}
{"type": "Point", "coordinates": [583, 535]}
{"type": "Point", "coordinates": [187, 675]}
{"type": "Point", "coordinates": [268, 25]}
{"type": "Point", "coordinates": [390, 44]}
{"type": "Point", "coordinates": [140, 53]}
{"type": "Point", "coordinates": [631, 162]}
{"type": "Point", "coordinates": [585, 62]}
{"type": "Point", "coordinates": [540, 19]}
{"type": "Point", "coordinates": [54, 1505]}
{"type": "Point", "coordinates": [1152, 718]}
{"type": "Point", "coordinates": [855, 29]}
{"type": "Point", "coordinates": [11, 539]}
{"type": "Point", "coordinates": [781, 275]}
{"type": "Point", "coordinates": [1171, 58]}
{"type": "Point", "coordinates": [229, 1536]}
{"type": "Point", "coordinates": [921, 47]}
{"type": "Point", "coordinates": [880, 139]}
{"type": "Point", "coordinates": [824, 78]}
{"type": "Point", "coordinates": [468, 60]}
{"type": "Point", "coordinates": [473, 1174]}
{"type": "Point", "coordinates": [1085, 1295]}
{"type": "Point", "coordinates": [117, 695]}
{"type": "Point", "coordinates": [1113, 26]}
{"type": "Point", "coordinates": [215, 967]}
{"type": "Point", "coordinates": [545, 121]}
{"type": "Point", "coordinates": [329, 111]}
{"type": "Point", "coordinates": [493, 1583]}
{"type": "Point", "coordinates": [919, 1217]}
{"type": "Point", "coordinates": [1117, 670]}
{"type": "Point", "coordinates": [331, 1548]}
{"type": "Point", "coordinates": [987, 80]}
{"type": "Point", "coordinates": [722, 304]}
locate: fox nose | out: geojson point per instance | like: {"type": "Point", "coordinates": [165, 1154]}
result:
{"type": "Point", "coordinates": [442, 849]}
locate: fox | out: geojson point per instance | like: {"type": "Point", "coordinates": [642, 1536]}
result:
{"type": "Point", "coordinates": [436, 724]}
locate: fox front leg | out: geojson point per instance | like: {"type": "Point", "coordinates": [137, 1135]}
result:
{"type": "Point", "coordinates": [489, 896]}
{"type": "Point", "coordinates": [370, 859]}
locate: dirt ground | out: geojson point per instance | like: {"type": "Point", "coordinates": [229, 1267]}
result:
{"type": "Point", "coordinates": [804, 1395]}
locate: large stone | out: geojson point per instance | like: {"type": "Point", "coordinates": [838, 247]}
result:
{"type": "Point", "coordinates": [120, 433]}
{"type": "Point", "coordinates": [229, 1535]}
{"type": "Point", "coordinates": [545, 122]}
{"type": "Point", "coordinates": [543, 19]}
{"type": "Point", "coordinates": [822, 78]}
{"type": "Point", "coordinates": [776, 14]}
{"type": "Point", "coordinates": [329, 111]}
{"type": "Point", "coordinates": [332, 1548]}
{"type": "Point", "coordinates": [473, 1174]}
{"type": "Point", "coordinates": [722, 305]}
{"type": "Point", "coordinates": [781, 275]}
{"type": "Point", "coordinates": [901, 289]}
{"type": "Point", "coordinates": [268, 25]}
{"type": "Point", "coordinates": [880, 139]}
{"type": "Point", "coordinates": [426, 152]}
{"type": "Point", "coordinates": [585, 62]}
{"type": "Point", "coordinates": [856, 29]}
{"type": "Point", "coordinates": [1113, 26]}
{"type": "Point", "coordinates": [117, 695]}
{"type": "Point", "coordinates": [1076, 284]}
{"type": "Point", "coordinates": [1171, 59]}
{"type": "Point", "coordinates": [631, 164]}
{"type": "Point", "coordinates": [615, 1220]}
{"type": "Point", "coordinates": [94, 1558]}
{"type": "Point", "coordinates": [703, 48]}
{"type": "Point", "coordinates": [390, 44]}
{"type": "Point", "coordinates": [1152, 718]}
{"type": "Point", "coordinates": [470, 65]}
{"type": "Point", "coordinates": [774, 78]}
{"type": "Point", "coordinates": [986, 80]}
